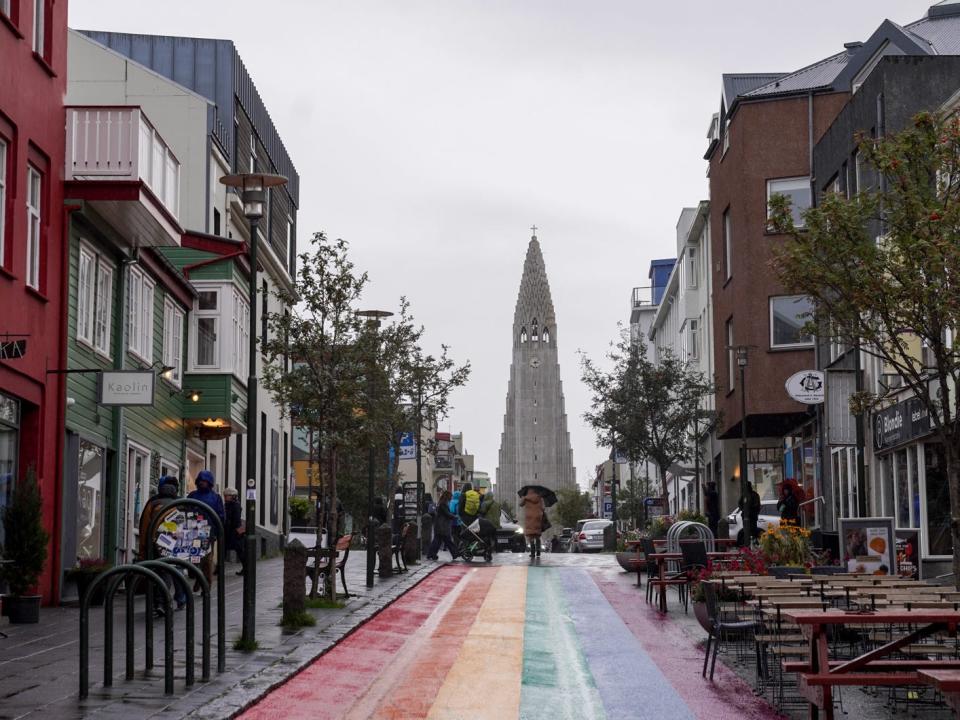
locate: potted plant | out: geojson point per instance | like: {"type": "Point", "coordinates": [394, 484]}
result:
{"type": "Point", "coordinates": [629, 560]}
{"type": "Point", "coordinates": [84, 573]}
{"type": "Point", "coordinates": [300, 508]}
{"type": "Point", "coordinates": [24, 550]}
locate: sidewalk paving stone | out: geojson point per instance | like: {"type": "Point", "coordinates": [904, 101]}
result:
{"type": "Point", "coordinates": [39, 664]}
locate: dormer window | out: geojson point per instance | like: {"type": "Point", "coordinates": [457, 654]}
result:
{"type": "Point", "coordinates": [523, 334]}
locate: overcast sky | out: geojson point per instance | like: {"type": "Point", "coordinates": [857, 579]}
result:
{"type": "Point", "coordinates": [431, 135]}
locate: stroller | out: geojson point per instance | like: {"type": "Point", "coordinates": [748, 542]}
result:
{"type": "Point", "coordinates": [472, 542]}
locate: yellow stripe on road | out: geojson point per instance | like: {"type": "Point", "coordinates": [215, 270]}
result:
{"type": "Point", "coordinates": [484, 681]}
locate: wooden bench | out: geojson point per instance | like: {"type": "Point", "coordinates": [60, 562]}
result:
{"type": "Point", "coordinates": [343, 546]}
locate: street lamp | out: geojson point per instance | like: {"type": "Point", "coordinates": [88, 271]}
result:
{"type": "Point", "coordinates": [373, 321]}
{"type": "Point", "coordinates": [253, 188]}
{"type": "Point", "coordinates": [742, 364]}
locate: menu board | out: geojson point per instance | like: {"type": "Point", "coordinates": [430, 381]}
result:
{"type": "Point", "coordinates": [868, 545]}
{"type": "Point", "coordinates": [185, 534]}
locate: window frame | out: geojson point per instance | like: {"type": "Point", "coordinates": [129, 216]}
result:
{"type": "Point", "coordinates": [132, 530]}
{"type": "Point", "coordinates": [241, 333]}
{"type": "Point", "coordinates": [693, 267]}
{"type": "Point", "coordinates": [103, 303]}
{"type": "Point", "coordinates": [692, 332]}
{"type": "Point", "coordinates": [205, 314]}
{"type": "Point", "coordinates": [173, 319]}
{"type": "Point", "coordinates": [798, 221]}
{"type": "Point", "coordinates": [731, 357]}
{"type": "Point", "coordinates": [86, 289]}
{"type": "Point", "coordinates": [140, 317]}
{"type": "Point", "coordinates": [39, 40]}
{"type": "Point", "coordinates": [34, 205]}
{"type": "Point", "coordinates": [785, 346]}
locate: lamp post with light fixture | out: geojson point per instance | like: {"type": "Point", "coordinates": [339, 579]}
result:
{"type": "Point", "coordinates": [373, 317]}
{"type": "Point", "coordinates": [253, 189]}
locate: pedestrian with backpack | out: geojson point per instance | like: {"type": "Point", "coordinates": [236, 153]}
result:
{"type": "Point", "coordinates": [469, 504]}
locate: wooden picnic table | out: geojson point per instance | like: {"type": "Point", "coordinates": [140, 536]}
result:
{"type": "Point", "coordinates": [818, 679]}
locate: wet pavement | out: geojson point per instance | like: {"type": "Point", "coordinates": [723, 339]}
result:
{"type": "Point", "coordinates": [568, 636]}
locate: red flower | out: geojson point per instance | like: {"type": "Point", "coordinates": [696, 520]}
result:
{"type": "Point", "coordinates": [934, 216]}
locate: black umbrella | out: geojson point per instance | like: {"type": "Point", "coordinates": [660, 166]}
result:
{"type": "Point", "coordinates": [548, 495]}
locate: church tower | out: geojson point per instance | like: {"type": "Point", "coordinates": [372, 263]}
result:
{"type": "Point", "coordinates": [535, 445]}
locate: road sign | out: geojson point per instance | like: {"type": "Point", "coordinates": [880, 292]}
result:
{"type": "Point", "coordinates": [408, 446]}
{"type": "Point", "coordinates": [608, 510]}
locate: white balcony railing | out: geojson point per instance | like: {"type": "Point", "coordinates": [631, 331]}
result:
{"type": "Point", "coordinates": [119, 143]}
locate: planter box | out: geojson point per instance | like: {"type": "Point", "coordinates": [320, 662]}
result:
{"type": "Point", "coordinates": [22, 609]}
{"type": "Point", "coordinates": [629, 561]}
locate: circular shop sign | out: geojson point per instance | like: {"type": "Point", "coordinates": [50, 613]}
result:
{"type": "Point", "coordinates": [806, 386]}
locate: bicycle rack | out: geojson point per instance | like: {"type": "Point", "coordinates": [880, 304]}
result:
{"type": "Point", "coordinates": [679, 528]}
{"type": "Point", "coordinates": [221, 574]}
{"type": "Point", "coordinates": [115, 575]}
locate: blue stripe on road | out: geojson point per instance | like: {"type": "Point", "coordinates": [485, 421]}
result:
{"type": "Point", "coordinates": [629, 681]}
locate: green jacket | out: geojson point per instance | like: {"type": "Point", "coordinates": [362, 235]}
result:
{"type": "Point", "coordinates": [490, 510]}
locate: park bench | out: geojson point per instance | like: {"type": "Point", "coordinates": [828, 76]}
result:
{"type": "Point", "coordinates": [342, 546]}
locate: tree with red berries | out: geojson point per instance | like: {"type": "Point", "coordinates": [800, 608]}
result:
{"type": "Point", "coordinates": [882, 269]}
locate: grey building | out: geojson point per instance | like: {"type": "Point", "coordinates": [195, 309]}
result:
{"type": "Point", "coordinates": [535, 445]}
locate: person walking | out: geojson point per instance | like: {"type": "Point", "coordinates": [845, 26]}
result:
{"type": "Point", "coordinates": [469, 505]}
{"type": "Point", "coordinates": [207, 495]}
{"type": "Point", "coordinates": [168, 490]}
{"type": "Point", "coordinates": [533, 514]}
{"type": "Point", "coordinates": [750, 511]}
{"type": "Point", "coordinates": [234, 528]}
{"type": "Point", "coordinates": [788, 506]}
{"type": "Point", "coordinates": [711, 501]}
{"type": "Point", "coordinates": [442, 529]}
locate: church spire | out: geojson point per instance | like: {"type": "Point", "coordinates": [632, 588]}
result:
{"type": "Point", "coordinates": [534, 303]}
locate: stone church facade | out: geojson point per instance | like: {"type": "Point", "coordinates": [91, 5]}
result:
{"type": "Point", "coordinates": [535, 445]}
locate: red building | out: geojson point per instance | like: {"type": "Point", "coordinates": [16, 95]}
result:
{"type": "Point", "coordinates": [33, 79]}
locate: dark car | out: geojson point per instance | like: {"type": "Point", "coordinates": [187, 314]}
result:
{"type": "Point", "coordinates": [565, 535]}
{"type": "Point", "coordinates": [510, 535]}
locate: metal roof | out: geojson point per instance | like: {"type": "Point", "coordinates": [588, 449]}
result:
{"type": "Point", "coordinates": [812, 77]}
{"type": "Point", "coordinates": [735, 84]}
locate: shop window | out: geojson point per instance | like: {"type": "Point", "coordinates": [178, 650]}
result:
{"type": "Point", "coordinates": [9, 451]}
{"type": "Point", "coordinates": [140, 315]}
{"type": "Point", "coordinates": [788, 316]}
{"type": "Point", "coordinates": [939, 541]}
{"type": "Point", "coordinates": [90, 500]}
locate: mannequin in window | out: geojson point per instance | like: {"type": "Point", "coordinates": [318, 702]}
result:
{"type": "Point", "coordinates": [523, 334]}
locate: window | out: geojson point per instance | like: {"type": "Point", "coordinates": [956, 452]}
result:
{"type": "Point", "coordinates": [797, 190]}
{"type": "Point", "coordinates": [5, 7]}
{"type": "Point", "coordinates": [140, 315]}
{"type": "Point", "coordinates": [264, 312]}
{"type": "Point", "coordinates": [523, 334]}
{"type": "Point", "coordinates": [291, 250]}
{"type": "Point", "coordinates": [173, 340]}
{"type": "Point", "coordinates": [216, 221]}
{"type": "Point", "coordinates": [39, 26]}
{"type": "Point", "coordinates": [34, 188]}
{"type": "Point", "coordinates": [208, 321]}
{"type": "Point", "coordinates": [91, 494]}
{"type": "Point", "coordinates": [9, 450]}
{"type": "Point", "coordinates": [139, 491]}
{"type": "Point", "coordinates": [3, 191]}
{"type": "Point", "coordinates": [253, 153]}
{"type": "Point", "coordinates": [854, 184]}
{"type": "Point", "coordinates": [788, 316]}
{"type": "Point", "coordinates": [103, 308]}
{"type": "Point", "coordinates": [726, 136]}
{"type": "Point", "coordinates": [727, 242]}
{"type": "Point", "coordinates": [693, 338]}
{"type": "Point", "coordinates": [86, 269]}
{"type": "Point", "coordinates": [534, 332]}
{"type": "Point", "coordinates": [731, 358]}
{"type": "Point", "coordinates": [241, 333]}
{"type": "Point", "coordinates": [94, 300]}
{"type": "Point", "coordinates": [546, 335]}
{"type": "Point", "coordinates": [693, 266]}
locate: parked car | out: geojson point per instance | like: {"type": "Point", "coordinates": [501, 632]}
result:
{"type": "Point", "coordinates": [572, 546]}
{"type": "Point", "coordinates": [565, 536]}
{"type": "Point", "coordinates": [590, 537]}
{"type": "Point", "coordinates": [510, 535]}
{"type": "Point", "coordinates": [768, 517]}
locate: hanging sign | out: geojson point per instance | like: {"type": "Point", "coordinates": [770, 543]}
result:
{"type": "Point", "coordinates": [125, 387]}
{"type": "Point", "coordinates": [806, 386]}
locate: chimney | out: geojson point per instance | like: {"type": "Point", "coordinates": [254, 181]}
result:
{"type": "Point", "coordinates": [852, 47]}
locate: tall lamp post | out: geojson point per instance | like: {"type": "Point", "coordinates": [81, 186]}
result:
{"type": "Point", "coordinates": [373, 320]}
{"type": "Point", "coordinates": [742, 364]}
{"type": "Point", "coordinates": [252, 188]}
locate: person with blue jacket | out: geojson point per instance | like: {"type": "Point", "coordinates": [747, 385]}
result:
{"type": "Point", "coordinates": [207, 495]}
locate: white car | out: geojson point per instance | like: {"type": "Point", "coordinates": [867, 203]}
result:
{"type": "Point", "coordinates": [769, 517]}
{"type": "Point", "coordinates": [590, 537]}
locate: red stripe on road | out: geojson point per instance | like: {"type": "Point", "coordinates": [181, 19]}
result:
{"type": "Point", "coordinates": [681, 660]}
{"type": "Point", "coordinates": [414, 693]}
{"type": "Point", "coordinates": [326, 689]}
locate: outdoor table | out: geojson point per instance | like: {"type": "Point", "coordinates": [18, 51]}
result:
{"type": "Point", "coordinates": [817, 684]}
{"type": "Point", "coordinates": [662, 558]}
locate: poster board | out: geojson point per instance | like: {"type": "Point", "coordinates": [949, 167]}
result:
{"type": "Point", "coordinates": [868, 545]}
{"type": "Point", "coordinates": [184, 533]}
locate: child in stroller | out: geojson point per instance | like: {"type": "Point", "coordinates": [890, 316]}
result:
{"type": "Point", "coordinates": [479, 538]}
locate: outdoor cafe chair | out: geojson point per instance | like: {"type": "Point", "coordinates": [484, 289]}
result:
{"type": "Point", "coordinates": [720, 629]}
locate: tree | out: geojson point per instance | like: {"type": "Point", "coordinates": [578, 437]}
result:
{"type": "Point", "coordinates": [649, 410]}
{"type": "Point", "coordinates": [572, 505]}
{"type": "Point", "coordinates": [882, 270]}
{"type": "Point", "coordinates": [25, 544]}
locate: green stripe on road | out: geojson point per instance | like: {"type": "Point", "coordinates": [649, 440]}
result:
{"type": "Point", "coordinates": [557, 682]}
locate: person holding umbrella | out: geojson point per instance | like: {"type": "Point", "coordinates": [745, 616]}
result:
{"type": "Point", "coordinates": [534, 499]}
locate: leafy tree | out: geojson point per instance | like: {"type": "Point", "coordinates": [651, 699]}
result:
{"type": "Point", "coordinates": [882, 269]}
{"type": "Point", "coordinates": [572, 505]}
{"type": "Point", "coordinates": [649, 409]}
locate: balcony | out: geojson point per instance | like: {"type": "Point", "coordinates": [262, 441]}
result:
{"type": "Point", "coordinates": [120, 164]}
{"type": "Point", "coordinates": [641, 297]}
